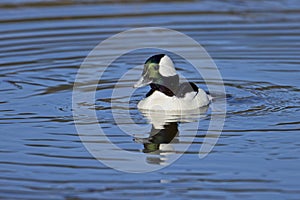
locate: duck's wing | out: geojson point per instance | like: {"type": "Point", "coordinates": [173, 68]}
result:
{"type": "Point", "coordinates": [185, 88]}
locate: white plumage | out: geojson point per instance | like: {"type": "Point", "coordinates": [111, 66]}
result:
{"type": "Point", "coordinates": [160, 101]}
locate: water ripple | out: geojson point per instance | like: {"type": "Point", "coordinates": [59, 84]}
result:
{"type": "Point", "coordinates": [256, 47]}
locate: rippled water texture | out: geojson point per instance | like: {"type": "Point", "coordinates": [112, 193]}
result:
{"type": "Point", "coordinates": [255, 45]}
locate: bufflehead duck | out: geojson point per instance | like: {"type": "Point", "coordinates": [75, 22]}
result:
{"type": "Point", "coordinates": [166, 92]}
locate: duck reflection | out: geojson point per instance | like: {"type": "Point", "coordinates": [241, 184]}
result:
{"type": "Point", "coordinates": [159, 138]}
{"type": "Point", "coordinates": [164, 133]}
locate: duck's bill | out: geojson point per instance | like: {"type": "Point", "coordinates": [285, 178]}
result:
{"type": "Point", "coordinates": [142, 82]}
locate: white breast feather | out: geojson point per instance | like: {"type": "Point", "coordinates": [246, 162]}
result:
{"type": "Point", "coordinates": [159, 101]}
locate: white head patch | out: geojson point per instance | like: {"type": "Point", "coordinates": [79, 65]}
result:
{"type": "Point", "coordinates": [166, 67]}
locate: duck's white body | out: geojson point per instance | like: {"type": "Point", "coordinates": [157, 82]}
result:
{"type": "Point", "coordinates": [160, 101]}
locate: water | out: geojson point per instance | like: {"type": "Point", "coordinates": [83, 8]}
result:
{"type": "Point", "coordinates": [256, 47]}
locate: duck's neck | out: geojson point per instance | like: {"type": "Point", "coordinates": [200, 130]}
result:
{"type": "Point", "coordinates": [167, 85]}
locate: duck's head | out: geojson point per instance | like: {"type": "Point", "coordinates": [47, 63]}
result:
{"type": "Point", "coordinates": [158, 69]}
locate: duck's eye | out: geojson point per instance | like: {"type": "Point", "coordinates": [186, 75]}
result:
{"type": "Point", "coordinates": [156, 67]}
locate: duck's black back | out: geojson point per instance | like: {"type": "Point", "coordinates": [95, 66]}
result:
{"type": "Point", "coordinates": [186, 88]}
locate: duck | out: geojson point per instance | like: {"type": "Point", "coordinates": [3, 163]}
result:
{"type": "Point", "coordinates": [167, 93]}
